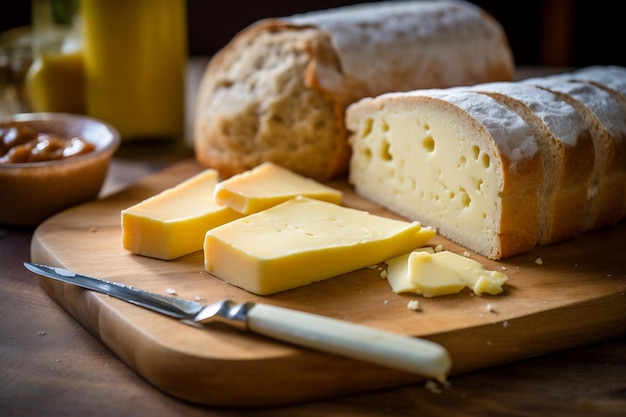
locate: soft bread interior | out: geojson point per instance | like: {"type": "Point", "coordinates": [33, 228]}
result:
{"type": "Point", "coordinates": [298, 128]}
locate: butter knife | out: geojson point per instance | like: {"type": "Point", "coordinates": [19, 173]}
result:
{"type": "Point", "coordinates": [406, 353]}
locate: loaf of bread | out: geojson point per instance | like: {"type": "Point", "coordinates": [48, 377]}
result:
{"type": "Point", "coordinates": [495, 167]}
{"type": "Point", "coordinates": [278, 91]}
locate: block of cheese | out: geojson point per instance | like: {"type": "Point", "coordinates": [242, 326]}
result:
{"type": "Point", "coordinates": [268, 185]}
{"type": "Point", "coordinates": [278, 90]}
{"type": "Point", "coordinates": [303, 241]}
{"type": "Point", "coordinates": [606, 120]}
{"type": "Point", "coordinates": [460, 162]}
{"type": "Point", "coordinates": [397, 273]}
{"type": "Point", "coordinates": [434, 274]}
{"type": "Point", "coordinates": [566, 147]}
{"type": "Point", "coordinates": [173, 223]}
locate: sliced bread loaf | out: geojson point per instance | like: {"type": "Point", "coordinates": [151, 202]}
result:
{"type": "Point", "coordinates": [410, 154]}
{"type": "Point", "coordinates": [459, 161]}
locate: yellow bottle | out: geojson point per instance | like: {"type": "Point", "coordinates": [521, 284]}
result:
{"type": "Point", "coordinates": [135, 54]}
{"type": "Point", "coordinates": [56, 80]}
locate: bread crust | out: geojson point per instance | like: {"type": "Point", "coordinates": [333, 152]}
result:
{"type": "Point", "coordinates": [334, 57]}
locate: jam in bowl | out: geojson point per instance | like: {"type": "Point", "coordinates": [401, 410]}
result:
{"type": "Point", "coordinates": [50, 162]}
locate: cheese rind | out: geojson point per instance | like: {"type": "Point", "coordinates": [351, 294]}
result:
{"type": "Point", "coordinates": [268, 185]}
{"type": "Point", "coordinates": [441, 273]}
{"type": "Point", "coordinates": [173, 223]}
{"type": "Point", "coordinates": [303, 241]}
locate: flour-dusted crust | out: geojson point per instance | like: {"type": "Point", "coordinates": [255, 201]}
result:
{"type": "Point", "coordinates": [278, 91]}
{"type": "Point", "coordinates": [610, 77]}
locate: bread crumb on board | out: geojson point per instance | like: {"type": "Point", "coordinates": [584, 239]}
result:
{"type": "Point", "coordinates": [436, 387]}
{"type": "Point", "coordinates": [413, 305]}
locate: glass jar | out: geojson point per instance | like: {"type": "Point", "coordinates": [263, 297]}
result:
{"type": "Point", "coordinates": [56, 80]}
{"type": "Point", "coordinates": [15, 60]}
{"type": "Point", "coordinates": [135, 52]}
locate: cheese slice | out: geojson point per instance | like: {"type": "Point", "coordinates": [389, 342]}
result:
{"type": "Point", "coordinates": [173, 223]}
{"type": "Point", "coordinates": [268, 185]}
{"type": "Point", "coordinates": [398, 272]}
{"type": "Point", "coordinates": [302, 241]}
{"type": "Point", "coordinates": [434, 274]}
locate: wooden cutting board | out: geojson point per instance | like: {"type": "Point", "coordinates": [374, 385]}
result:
{"type": "Point", "coordinates": [557, 297]}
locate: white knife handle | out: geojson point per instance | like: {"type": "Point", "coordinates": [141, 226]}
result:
{"type": "Point", "coordinates": [397, 351]}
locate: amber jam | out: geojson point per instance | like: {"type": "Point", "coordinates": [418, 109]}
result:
{"type": "Point", "coordinates": [21, 143]}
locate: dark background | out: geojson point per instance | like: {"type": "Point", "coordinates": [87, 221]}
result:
{"type": "Point", "coordinates": [541, 32]}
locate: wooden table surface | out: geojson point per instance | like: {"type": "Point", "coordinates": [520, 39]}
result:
{"type": "Point", "coordinates": [51, 366]}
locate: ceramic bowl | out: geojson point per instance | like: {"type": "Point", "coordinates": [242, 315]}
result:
{"type": "Point", "coordinates": [30, 192]}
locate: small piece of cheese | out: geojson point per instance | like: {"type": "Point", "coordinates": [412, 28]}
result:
{"type": "Point", "coordinates": [441, 273]}
{"type": "Point", "coordinates": [268, 185]}
{"type": "Point", "coordinates": [302, 241]}
{"type": "Point", "coordinates": [173, 223]}
{"type": "Point", "coordinates": [398, 271]}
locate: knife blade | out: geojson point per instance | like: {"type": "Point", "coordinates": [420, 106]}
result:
{"type": "Point", "coordinates": [406, 353]}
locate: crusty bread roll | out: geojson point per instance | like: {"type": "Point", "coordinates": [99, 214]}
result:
{"type": "Point", "coordinates": [459, 161]}
{"type": "Point", "coordinates": [417, 154]}
{"type": "Point", "coordinates": [278, 91]}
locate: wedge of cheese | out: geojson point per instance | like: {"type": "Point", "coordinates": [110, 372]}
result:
{"type": "Point", "coordinates": [434, 274]}
{"type": "Point", "coordinates": [173, 223]}
{"type": "Point", "coordinates": [302, 241]}
{"type": "Point", "coordinates": [268, 185]}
